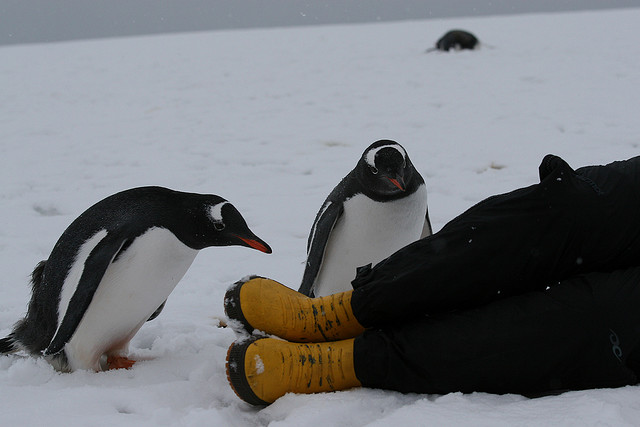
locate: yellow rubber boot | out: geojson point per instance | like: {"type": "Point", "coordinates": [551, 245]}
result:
{"type": "Point", "coordinates": [268, 306]}
{"type": "Point", "coordinates": [261, 371]}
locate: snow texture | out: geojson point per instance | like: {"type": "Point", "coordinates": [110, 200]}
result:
{"type": "Point", "coordinates": [272, 119]}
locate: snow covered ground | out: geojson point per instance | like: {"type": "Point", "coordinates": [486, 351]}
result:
{"type": "Point", "coordinates": [272, 119]}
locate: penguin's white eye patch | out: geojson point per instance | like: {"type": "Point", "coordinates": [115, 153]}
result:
{"type": "Point", "coordinates": [215, 212]}
{"type": "Point", "coordinates": [370, 156]}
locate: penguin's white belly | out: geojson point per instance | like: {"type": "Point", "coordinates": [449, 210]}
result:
{"type": "Point", "coordinates": [368, 232]}
{"type": "Point", "coordinates": [133, 287]}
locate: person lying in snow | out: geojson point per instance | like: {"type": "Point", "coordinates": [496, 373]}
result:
{"type": "Point", "coordinates": [533, 292]}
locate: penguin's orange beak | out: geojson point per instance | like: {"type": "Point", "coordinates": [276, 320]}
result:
{"type": "Point", "coordinates": [256, 244]}
{"type": "Point", "coordinates": [397, 182]}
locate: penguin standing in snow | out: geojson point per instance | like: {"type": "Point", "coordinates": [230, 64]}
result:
{"type": "Point", "coordinates": [378, 208]}
{"type": "Point", "coordinates": [113, 269]}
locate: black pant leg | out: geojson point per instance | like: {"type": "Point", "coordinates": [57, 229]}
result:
{"type": "Point", "coordinates": [617, 296]}
{"type": "Point", "coordinates": [509, 244]}
{"type": "Point", "coordinates": [576, 335]}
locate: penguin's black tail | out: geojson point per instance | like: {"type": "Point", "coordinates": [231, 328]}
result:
{"type": "Point", "coordinates": [7, 345]}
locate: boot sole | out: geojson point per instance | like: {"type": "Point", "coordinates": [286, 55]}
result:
{"type": "Point", "coordinates": [236, 373]}
{"type": "Point", "coordinates": [232, 303]}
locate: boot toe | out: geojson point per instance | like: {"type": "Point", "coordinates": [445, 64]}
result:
{"type": "Point", "coordinates": [232, 306]}
{"type": "Point", "coordinates": [237, 375]}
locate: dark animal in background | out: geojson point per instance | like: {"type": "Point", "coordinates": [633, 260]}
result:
{"type": "Point", "coordinates": [456, 39]}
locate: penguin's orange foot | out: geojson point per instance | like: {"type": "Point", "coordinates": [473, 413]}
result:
{"type": "Point", "coordinates": [119, 362]}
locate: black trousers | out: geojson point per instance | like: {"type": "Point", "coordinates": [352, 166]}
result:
{"type": "Point", "coordinates": [468, 308]}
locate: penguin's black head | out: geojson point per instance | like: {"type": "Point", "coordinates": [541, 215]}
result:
{"type": "Point", "coordinates": [385, 169]}
{"type": "Point", "coordinates": [218, 223]}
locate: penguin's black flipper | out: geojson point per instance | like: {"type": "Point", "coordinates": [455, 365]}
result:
{"type": "Point", "coordinates": [157, 312]}
{"type": "Point", "coordinates": [426, 229]}
{"type": "Point", "coordinates": [94, 268]}
{"type": "Point", "coordinates": [317, 243]}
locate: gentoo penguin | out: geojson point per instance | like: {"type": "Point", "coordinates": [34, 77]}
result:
{"type": "Point", "coordinates": [113, 269]}
{"type": "Point", "coordinates": [378, 208]}
{"type": "Point", "coordinates": [456, 39]}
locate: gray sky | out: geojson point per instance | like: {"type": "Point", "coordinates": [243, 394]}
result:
{"type": "Point", "coordinates": [35, 21]}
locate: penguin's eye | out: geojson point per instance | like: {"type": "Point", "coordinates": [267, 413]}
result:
{"type": "Point", "coordinates": [374, 170]}
{"type": "Point", "coordinates": [218, 225]}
